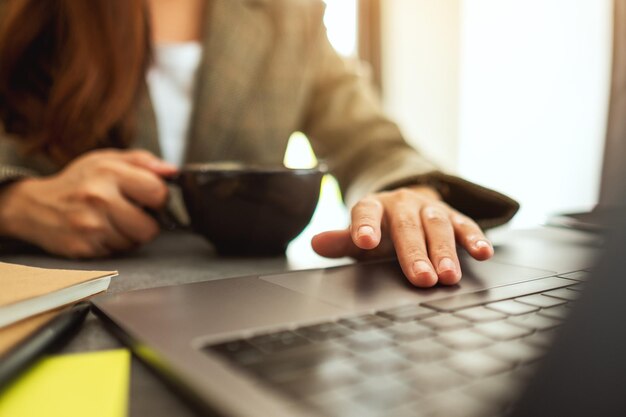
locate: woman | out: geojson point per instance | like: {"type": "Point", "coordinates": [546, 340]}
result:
{"type": "Point", "coordinates": [86, 94]}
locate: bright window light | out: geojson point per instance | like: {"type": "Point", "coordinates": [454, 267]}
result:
{"type": "Point", "coordinates": [341, 24]}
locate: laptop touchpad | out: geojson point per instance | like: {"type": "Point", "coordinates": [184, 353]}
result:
{"type": "Point", "coordinates": [374, 285]}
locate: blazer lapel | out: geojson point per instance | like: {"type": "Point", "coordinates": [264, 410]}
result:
{"type": "Point", "coordinates": [237, 37]}
{"type": "Point", "coordinates": [147, 133]}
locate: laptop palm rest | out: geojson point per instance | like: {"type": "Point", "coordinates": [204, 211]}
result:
{"type": "Point", "coordinates": [223, 308]}
{"type": "Point", "coordinates": [169, 327]}
{"type": "Point", "coordinates": [377, 285]}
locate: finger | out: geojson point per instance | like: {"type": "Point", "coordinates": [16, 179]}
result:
{"type": "Point", "coordinates": [470, 236]}
{"type": "Point", "coordinates": [116, 241]}
{"type": "Point", "coordinates": [334, 244]}
{"type": "Point", "coordinates": [106, 234]}
{"type": "Point", "coordinates": [131, 221]}
{"type": "Point", "coordinates": [141, 186]}
{"type": "Point", "coordinates": [86, 230]}
{"type": "Point", "coordinates": [338, 244]}
{"type": "Point", "coordinates": [367, 216]}
{"type": "Point", "coordinates": [78, 247]}
{"type": "Point", "coordinates": [408, 238]}
{"type": "Point", "coordinates": [441, 244]}
{"type": "Point", "coordinates": [147, 160]}
{"type": "Point", "coordinates": [98, 249]}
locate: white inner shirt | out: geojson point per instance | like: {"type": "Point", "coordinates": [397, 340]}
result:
{"type": "Point", "coordinates": [171, 83]}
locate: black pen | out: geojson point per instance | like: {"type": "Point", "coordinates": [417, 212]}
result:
{"type": "Point", "coordinates": [55, 331]}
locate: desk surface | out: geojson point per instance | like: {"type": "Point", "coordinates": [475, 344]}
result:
{"type": "Point", "coordinates": [176, 258]}
{"type": "Point", "coordinates": [173, 258]}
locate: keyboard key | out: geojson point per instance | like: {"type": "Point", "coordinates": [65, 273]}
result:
{"type": "Point", "coordinates": [444, 322]}
{"type": "Point", "coordinates": [500, 390]}
{"type": "Point", "coordinates": [457, 404]}
{"type": "Point", "coordinates": [333, 404]}
{"type": "Point", "coordinates": [278, 341]}
{"type": "Point", "coordinates": [477, 364]}
{"type": "Point", "coordinates": [577, 276]}
{"type": "Point", "coordinates": [284, 364]}
{"type": "Point", "coordinates": [511, 307]}
{"type": "Point", "coordinates": [515, 352]}
{"type": "Point", "coordinates": [238, 351]}
{"type": "Point", "coordinates": [426, 350]}
{"type": "Point", "coordinates": [564, 294]}
{"type": "Point", "coordinates": [523, 373]}
{"type": "Point", "coordinates": [458, 302]}
{"type": "Point", "coordinates": [408, 411]}
{"type": "Point", "coordinates": [480, 314]}
{"type": "Point", "coordinates": [409, 331]}
{"type": "Point", "coordinates": [328, 376]}
{"type": "Point", "coordinates": [432, 378]}
{"type": "Point", "coordinates": [540, 339]}
{"type": "Point", "coordinates": [367, 340]}
{"type": "Point", "coordinates": [560, 313]}
{"type": "Point", "coordinates": [577, 287]}
{"type": "Point", "coordinates": [324, 331]}
{"type": "Point", "coordinates": [539, 300]}
{"type": "Point", "coordinates": [500, 330]}
{"type": "Point", "coordinates": [381, 362]}
{"type": "Point", "coordinates": [464, 339]}
{"type": "Point", "coordinates": [381, 394]}
{"type": "Point", "coordinates": [534, 321]}
{"type": "Point", "coordinates": [365, 322]}
{"type": "Point", "coordinates": [407, 313]}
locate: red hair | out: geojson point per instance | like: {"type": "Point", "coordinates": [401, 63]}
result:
{"type": "Point", "coordinates": [71, 72]}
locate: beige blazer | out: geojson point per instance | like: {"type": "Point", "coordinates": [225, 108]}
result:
{"type": "Point", "coordinates": [268, 70]}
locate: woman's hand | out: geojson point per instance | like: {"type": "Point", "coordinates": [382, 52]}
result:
{"type": "Point", "coordinates": [93, 208]}
{"type": "Point", "coordinates": [421, 228]}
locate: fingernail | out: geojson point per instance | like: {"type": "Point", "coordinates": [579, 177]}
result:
{"type": "Point", "coordinates": [422, 270]}
{"type": "Point", "coordinates": [365, 231]}
{"type": "Point", "coordinates": [159, 164]}
{"type": "Point", "coordinates": [482, 244]}
{"type": "Point", "coordinates": [446, 264]}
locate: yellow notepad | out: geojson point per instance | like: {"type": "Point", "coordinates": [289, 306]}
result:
{"type": "Point", "coordinates": [87, 384]}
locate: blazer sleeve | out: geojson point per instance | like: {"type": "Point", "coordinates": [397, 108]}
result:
{"type": "Point", "coordinates": [13, 165]}
{"type": "Point", "coordinates": [365, 150]}
{"type": "Point", "coordinates": [12, 169]}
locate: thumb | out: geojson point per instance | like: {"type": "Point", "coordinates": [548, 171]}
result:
{"type": "Point", "coordinates": [334, 244]}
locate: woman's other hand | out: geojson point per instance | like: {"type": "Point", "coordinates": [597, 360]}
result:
{"type": "Point", "coordinates": [421, 229]}
{"type": "Point", "coordinates": [93, 208]}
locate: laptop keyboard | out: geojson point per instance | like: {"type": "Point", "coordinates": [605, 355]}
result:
{"type": "Point", "coordinates": [464, 355]}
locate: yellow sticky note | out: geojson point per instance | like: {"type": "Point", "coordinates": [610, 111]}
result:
{"type": "Point", "coordinates": [87, 384]}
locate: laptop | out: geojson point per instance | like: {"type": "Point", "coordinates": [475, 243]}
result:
{"type": "Point", "coordinates": [359, 340]}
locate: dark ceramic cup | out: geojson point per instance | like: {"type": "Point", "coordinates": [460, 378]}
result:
{"type": "Point", "coordinates": [249, 210]}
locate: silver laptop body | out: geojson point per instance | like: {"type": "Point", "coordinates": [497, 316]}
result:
{"type": "Point", "coordinates": [359, 339]}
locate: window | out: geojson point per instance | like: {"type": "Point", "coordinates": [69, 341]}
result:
{"type": "Point", "coordinates": [341, 23]}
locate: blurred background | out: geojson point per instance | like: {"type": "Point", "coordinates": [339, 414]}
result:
{"type": "Point", "coordinates": [512, 94]}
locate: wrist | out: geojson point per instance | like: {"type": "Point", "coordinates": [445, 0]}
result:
{"type": "Point", "coordinates": [11, 208]}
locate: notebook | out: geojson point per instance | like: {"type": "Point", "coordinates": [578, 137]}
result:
{"type": "Point", "coordinates": [28, 291]}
